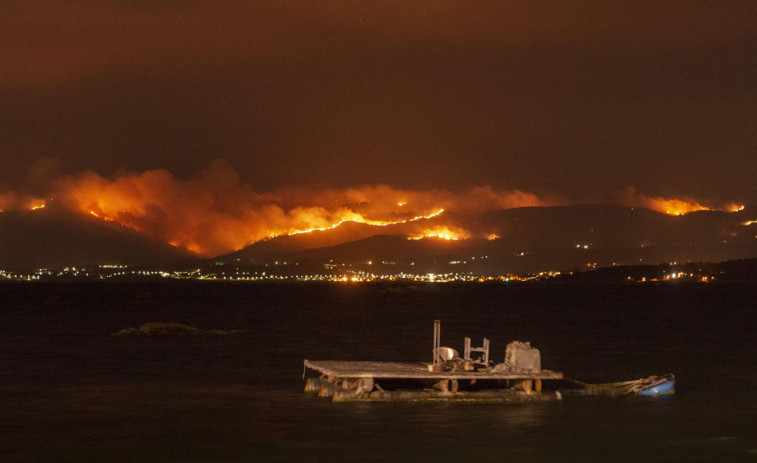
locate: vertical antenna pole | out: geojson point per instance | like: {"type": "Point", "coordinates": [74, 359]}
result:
{"type": "Point", "coordinates": [437, 336]}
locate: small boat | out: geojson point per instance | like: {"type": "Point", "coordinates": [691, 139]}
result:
{"type": "Point", "coordinates": [658, 385]}
{"type": "Point", "coordinates": [650, 386]}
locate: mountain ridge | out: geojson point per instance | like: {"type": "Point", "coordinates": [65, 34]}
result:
{"type": "Point", "coordinates": [56, 237]}
{"type": "Point", "coordinates": [530, 239]}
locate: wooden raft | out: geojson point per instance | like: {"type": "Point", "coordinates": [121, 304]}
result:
{"type": "Point", "coordinates": [419, 370]}
{"type": "Point", "coordinates": [356, 380]}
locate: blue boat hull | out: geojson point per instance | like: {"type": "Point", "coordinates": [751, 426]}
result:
{"type": "Point", "coordinates": [668, 386]}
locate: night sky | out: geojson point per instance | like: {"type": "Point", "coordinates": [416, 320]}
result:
{"type": "Point", "coordinates": [578, 100]}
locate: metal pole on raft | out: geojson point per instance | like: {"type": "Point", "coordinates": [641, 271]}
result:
{"type": "Point", "coordinates": [437, 340]}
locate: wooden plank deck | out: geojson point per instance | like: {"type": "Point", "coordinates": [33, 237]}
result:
{"type": "Point", "coordinates": [417, 370]}
{"type": "Point", "coordinates": [498, 396]}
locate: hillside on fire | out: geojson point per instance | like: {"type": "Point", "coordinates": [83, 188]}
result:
{"type": "Point", "coordinates": [564, 238]}
{"type": "Point", "coordinates": [515, 240]}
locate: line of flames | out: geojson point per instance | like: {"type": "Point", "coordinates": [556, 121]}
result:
{"type": "Point", "coordinates": [361, 219]}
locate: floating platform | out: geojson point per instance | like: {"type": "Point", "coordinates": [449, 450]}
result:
{"type": "Point", "coordinates": [453, 378]}
{"type": "Point", "coordinates": [414, 370]}
{"type": "Point", "coordinates": [361, 380]}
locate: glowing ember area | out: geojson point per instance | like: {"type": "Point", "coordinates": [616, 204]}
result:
{"type": "Point", "coordinates": [214, 213]}
{"type": "Point", "coordinates": [13, 201]}
{"type": "Point", "coordinates": [673, 206]}
{"type": "Point", "coordinates": [670, 206]}
{"type": "Point", "coordinates": [95, 214]}
{"type": "Point", "coordinates": [676, 206]}
{"type": "Point", "coordinates": [749, 222]}
{"type": "Point", "coordinates": [492, 236]}
{"type": "Point", "coordinates": [441, 232]}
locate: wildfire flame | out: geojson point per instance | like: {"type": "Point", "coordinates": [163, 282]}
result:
{"type": "Point", "coordinates": [95, 214]}
{"type": "Point", "coordinates": [441, 232]}
{"type": "Point", "coordinates": [215, 213]}
{"type": "Point", "coordinates": [670, 206]}
{"type": "Point", "coordinates": [676, 206]}
{"type": "Point", "coordinates": [358, 218]}
{"type": "Point", "coordinates": [14, 201]}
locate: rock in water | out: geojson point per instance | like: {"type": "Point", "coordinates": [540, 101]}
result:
{"type": "Point", "coordinates": [127, 332]}
{"type": "Point", "coordinates": [167, 328]}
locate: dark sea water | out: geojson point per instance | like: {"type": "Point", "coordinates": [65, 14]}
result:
{"type": "Point", "coordinates": [69, 391]}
